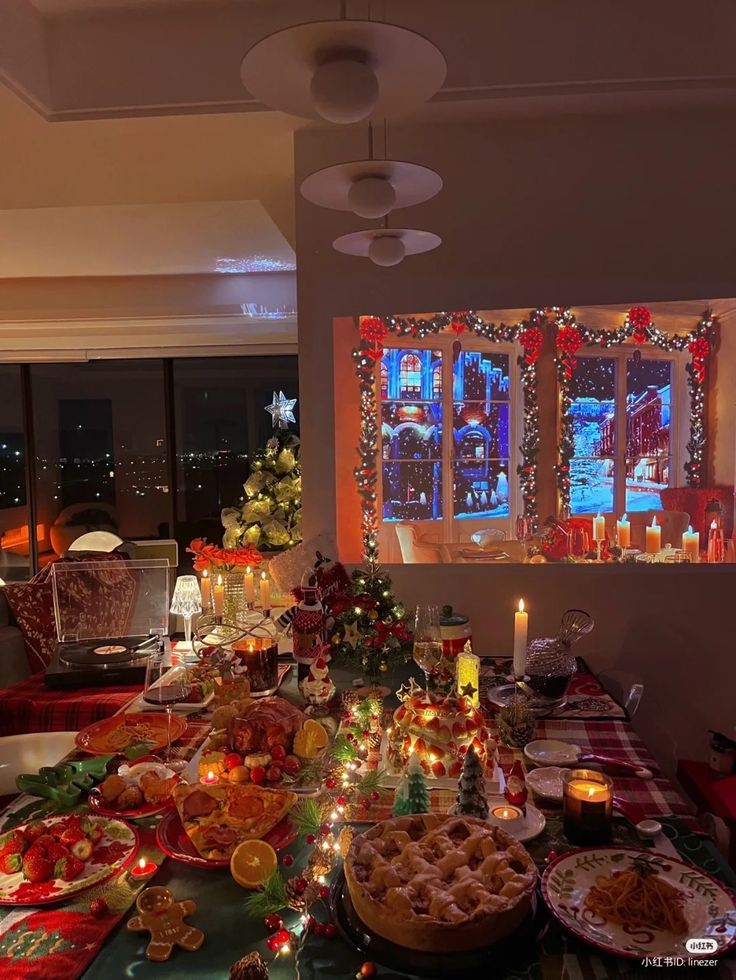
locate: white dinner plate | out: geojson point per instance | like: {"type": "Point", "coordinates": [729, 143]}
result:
{"type": "Point", "coordinates": [546, 782]}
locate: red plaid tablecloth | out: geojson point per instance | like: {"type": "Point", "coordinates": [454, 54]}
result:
{"type": "Point", "coordinates": [30, 706]}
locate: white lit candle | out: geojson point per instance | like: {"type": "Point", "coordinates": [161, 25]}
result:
{"type": "Point", "coordinates": [654, 538]}
{"type": "Point", "coordinates": [219, 592]}
{"type": "Point", "coordinates": [521, 626]}
{"type": "Point", "coordinates": [206, 589]}
{"type": "Point", "coordinates": [623, 532]}
{"type": "Point", "coordinates": [249, 585]}
{"type": "Point", "coordinates": [599, 528]}
{"type": "Point", "coordinates": [691, 544]}
{"type": "Point", "coordinates": [265, 589]}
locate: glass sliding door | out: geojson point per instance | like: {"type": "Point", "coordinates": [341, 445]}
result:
{"type": "Point", "coordinates": [15, 533]}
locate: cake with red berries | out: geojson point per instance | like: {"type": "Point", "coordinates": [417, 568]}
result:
{"type": "Point", "coordinates": [438, 729]}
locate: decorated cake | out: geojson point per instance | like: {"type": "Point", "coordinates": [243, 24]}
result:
{"type": "Point", "coordinates": [439, 884]}
{"type": "Point", "coordinates": [438, 730]}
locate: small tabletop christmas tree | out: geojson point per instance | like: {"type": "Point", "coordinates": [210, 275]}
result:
{"type": "Point", "coordinates": [270, 517]}
{"type": "Point", "coordinates": [417, 796]}
{"type": "Point", "coordinates": [471, 798]}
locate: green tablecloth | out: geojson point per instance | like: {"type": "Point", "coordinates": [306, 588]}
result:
{"type": "Point", "coordinates": [231, 933]}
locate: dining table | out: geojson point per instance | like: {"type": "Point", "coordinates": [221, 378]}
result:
{"type": "Point", "coordinates": [67, 941]}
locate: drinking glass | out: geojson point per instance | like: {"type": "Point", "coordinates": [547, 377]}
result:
{"type": "Point", "coordinates": [165, 686]}
{"type": "Point", "coordinates": [427, 639]}
{"type": "Point", "coordinates": [524, 531]}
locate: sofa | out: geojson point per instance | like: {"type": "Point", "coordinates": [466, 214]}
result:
{"type": "Point", "coordinates": [13, 659]}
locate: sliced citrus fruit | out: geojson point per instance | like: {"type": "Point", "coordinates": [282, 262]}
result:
{"type": "Point", "coordinates": [317, 732]}
{"type": "Point", "coordinates": [252, 862]}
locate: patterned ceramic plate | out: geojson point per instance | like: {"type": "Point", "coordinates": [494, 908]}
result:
{"type": "Point", "coordinates": [710, 908]}
{"type": "Point", "coordinates": [176, 843]}
{"type": "Point", "coordinates": [116, 733]}
{"type": "Point", "coordinates": [114, 850]}
{"type": "Point", "coordinates": [96, 800]}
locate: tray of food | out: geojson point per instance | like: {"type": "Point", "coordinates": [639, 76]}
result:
{"type": "Point", "coordinates": [142, 789]}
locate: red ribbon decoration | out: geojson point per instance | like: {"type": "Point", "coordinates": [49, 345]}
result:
{"type": "Point", "coordinates": [373, 329]}
{"type": "Point", "coordinates": [700, 349]}
{"type": "Point", "coordinates": [531, 340]}
{"type": "Point", "coordinates": [640, 319]}
{"type": "Point", "coordinates": [457, 321]}
{"type": "Point", "coordinates": [569, 342]}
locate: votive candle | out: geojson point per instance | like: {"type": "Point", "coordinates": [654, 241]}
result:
{"type": "Point", "coordinates": [599, 528]}
{"type": "Point", "coordinates": [623, 532]}
{"type": "Point", "coordinates": [521, 627]}
{"type": "Point", "coordinates": [653, 538]}
{"type": "Point", "coordinates": [587, 804]}
{"type": "Point", "coordinates": [210, 779]}
{"type": "Point", "coordinates": [219, 592]}
{"type": "Point", "coordinates": [143, 870]}
{"type": "Point", "coordinates": [691, 544]}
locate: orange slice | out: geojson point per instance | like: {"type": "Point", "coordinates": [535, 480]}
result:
{"type": "Point", "coordinates": [317, 732]}
{"type": "Point", "coordinates": [310, 740]}
{"type": "Point", "coordinates": [252, 862]}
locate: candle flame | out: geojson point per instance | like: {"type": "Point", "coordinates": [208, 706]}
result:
{"type": "Point", "coordinates": [714, 526]}
{"type": "Point", "coordinates": [623, 518]}
{"type": "Point", "coordinates": [591, 791]}
{"type": "Point", "coordinates": [219, 579]}
{"type": "Point", "coordinates": [247, 569]}
{"type": "Point", "coordinates": [598, 515]}
{"type": "Point", "coordinates": [210, 774]}
{"type": "Point", "coordinates": [142, 863]}
{"type": "Point", "coordinates": [690, 528]}
{"type": "Point", "coordinates": [205, 574]}
{"type": "Point", "coordinates": [654, 521]}
{"type": "Point", "coordinates": [521, 605]}
{"type": "Point", "coordinates": [263, 576]}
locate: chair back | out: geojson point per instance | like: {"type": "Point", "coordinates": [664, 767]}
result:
{"type": "Point", "coordinates": [27, 753]}
{"type": "Point", "coordinates": [413, 549]}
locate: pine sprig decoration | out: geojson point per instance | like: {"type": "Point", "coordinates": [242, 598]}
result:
{"type": "Point", "coordinates": [373, 781]}
{"type": "Point", "coordinates": [343, 750]}
{"type": "Point", "coordinates": [272, 896]}
{"type": "Point", "coordinates": [307, 816]}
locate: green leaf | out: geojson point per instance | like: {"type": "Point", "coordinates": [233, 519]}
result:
{"type": "Point", "coordinates": [373, 781]}
{"type": "Point", "coordinates": [343, 750]}
{"type": "Point", "coordinates": [272, 896]}
{"type": "Point", "coordinates": [307, 816]}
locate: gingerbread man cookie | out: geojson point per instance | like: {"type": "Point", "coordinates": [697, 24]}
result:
{"type": "Point", "coordinates": [164, 919]}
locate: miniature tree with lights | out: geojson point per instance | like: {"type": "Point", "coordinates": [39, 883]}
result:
{"type": "Point", "coordinates": [471, 798]}
{"type": "Point", "coordinates": [417, 796]}
{"type": "Point", "coordinates": [270, 517]}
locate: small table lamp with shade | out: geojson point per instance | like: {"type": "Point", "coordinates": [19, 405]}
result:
{"type": "Point", "coordinates": [187, 602]}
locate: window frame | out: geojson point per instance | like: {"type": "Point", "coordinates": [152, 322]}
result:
{"type": "Point", "coordinates": [456, 529]}
{"type": "Point", "coordinates": [679, 410]}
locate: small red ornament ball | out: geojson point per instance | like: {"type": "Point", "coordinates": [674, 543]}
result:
{"type": "Point", "coordinates": [273, 921]}
{"type": "Point", "coordinates": [330, 930]}
{"type": "Point", "coordinates": [324, 891]}
{"type": "Point", "coordinates": [301, 885]}
{"type": "Point", "coordinates": [551, 856]}
{"type": "Point", "coordinates": [273, 943]}
{"type": "Point", "coordinates": [330, 783]}
{"type": "Point", "coordinates": [341, 800]}
{"type": "Point", "coordinates": [368, 969]}
{"type": "Point", "coordinates": [98, 907]}
{"type": "Point", "coordinates": [310, 839]}
{"type": "Point", "coordinates": [325, 828]}
{"type": "Point", "coordinates": [375, 796]}
{"type": "Point", "coordinates": [287, 860]}
{"type": "Point", "coordinates": [282, 936]}
{"type": "Point", "coordinates": [365, 803]}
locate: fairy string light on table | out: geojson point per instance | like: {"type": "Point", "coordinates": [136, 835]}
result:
{"type": "Point", "coordinates": [640, 327]}
{"type": "Point", "coordinates": [373, 330]}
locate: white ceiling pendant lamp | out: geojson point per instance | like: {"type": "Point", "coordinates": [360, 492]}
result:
{"type": "Point", "coordinates": [371, 188]}
{"type": "Point", "coordinates": [387, 246]}
{"type": "Point", "coordinates": [343, 71]}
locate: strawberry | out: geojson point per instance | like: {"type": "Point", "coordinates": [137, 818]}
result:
{"type": "Point", "coordinates": [438, 769]}
{"type": "Point", "coordinates": [10, 864]}
{"type": "Point", "coordinates": [33, 830]}
{"type": "Point", "coordinates": [433, 724]}
{"type": "Point", "coordinates": [455, 769]}
{"type": "Point", "coordinates": [458, 730]}
{"type": "Point", "coordinates": [82, 848]}
{"type": "Point", "coordinates": [56, 851]}
{"type": "Point", "coordinates": [44, 841]}
{"type": "Point", "coordinates": [67, 868]}
{"type": "Point", "coordinates": [16, 843]}
{"type": "Point", "coordinates": [72, 835]}
{"type": "Point", "coordinates": [36, 867]}
{"type": "Point", "coordinates": [93, 830]}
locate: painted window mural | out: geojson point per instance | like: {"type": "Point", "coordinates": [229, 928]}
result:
{"type": "Point", "coordinates": [414, 409]}
{"type": "Point", "coordinates": [598, 453]}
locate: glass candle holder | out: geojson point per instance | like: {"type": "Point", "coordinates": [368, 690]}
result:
{"type": "Point", "coordinates": [716, 550]}
{"type": "Point", "coordinates": [587, 804]}
{"type": "Point", "coordinates": [259, 654]}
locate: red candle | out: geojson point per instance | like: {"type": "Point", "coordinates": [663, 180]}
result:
{"type": "Point", "coordinates": [210, 779]}
{"type": "Point", "coordinates": [143, 870]}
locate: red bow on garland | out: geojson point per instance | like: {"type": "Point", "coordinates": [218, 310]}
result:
{"type": "Point", "coordinates": [569, 342]}
{"type": "Point", "coordinates": [457, 321]}
{"type": "Point", "coordinates": [640, 319]}
{"type": "Point", "coordinates": [531, 340]}
{"type": "Point", "coordinates": [700, 349]}
{"type": "Point", "coordinates": [373, 329]}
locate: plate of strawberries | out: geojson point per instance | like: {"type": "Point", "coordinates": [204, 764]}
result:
{"type": "Point", "coordinates": [48, 860]}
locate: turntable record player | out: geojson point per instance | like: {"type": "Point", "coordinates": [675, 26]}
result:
{"type": "Point", "coordinates": [110, 615]}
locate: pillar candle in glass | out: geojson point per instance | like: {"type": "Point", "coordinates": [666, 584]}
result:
{"type": "Point", "coordinates": [715, 543]}
{"type": "Point", "coordinates": [691, 544]}
{"type": "Point", "coordinates": [653, 538]}
{"type": "Point", "coordinates": [599, 528]}
{"type": "Point", "coordinates": [521, 627]}
{"type": "Point", "coordinates": [587, 803]}
{"type": "Point", "coordinates": [205, 586]}
{"type": "Point", "coordinates": [260, 655]}
{"type": "Point", "coordinates": [467, 671]}
{"type": "Point", "coordinates": [623, 532]}
{"type": "Point", "coordinates": [249, 585]}
{"type": "Point", "coordinates": [219, 597]}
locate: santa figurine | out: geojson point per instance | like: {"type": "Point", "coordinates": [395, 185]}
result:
{"type": "Point", "coordinates": [516, 792]}
{"type": "Point", "coordinates": [317, 687]}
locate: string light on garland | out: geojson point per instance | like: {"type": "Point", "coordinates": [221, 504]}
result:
{"type": "Point", "coordinates": [373, 330]}
{"type": "Point", "coordinates": [640, 327]}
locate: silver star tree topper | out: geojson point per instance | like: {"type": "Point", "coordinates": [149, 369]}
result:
{"type": "Point", "coordinates": [281, 410]}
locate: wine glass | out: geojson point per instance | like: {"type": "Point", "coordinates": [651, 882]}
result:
{"type": "Point", "coordinates": [427, 639]}
{"type": "Point", "coordinates": [524, 531]}
{"type": "Point", "coordinates": [165, 686]}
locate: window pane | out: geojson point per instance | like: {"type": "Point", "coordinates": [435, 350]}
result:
{"type": "Point", "coordinates": [101, 450]}
{"type": "Point", "coordinates": [593, 392]}
{"type": "Point", "coordinates": [481, 488]}
{"type": "Point", "coordinates": [480, 376]}
{"type": "Point", "coordinates": [481, 430]}
{"type": "Point", "coordinates": [14, 531]}
{"type": "Point", "coordinates": [411, 375]}
{"type": "Point", "coordinates": [591, 486]}
{"type": "Point", "coordinates": [648, 414]}
{"type": "Point", "coordinates": [220, 420]}
{"type": "Point", "coordinates": [411, 431]}
{"type": "Point", "coordinates": [412, 491]}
